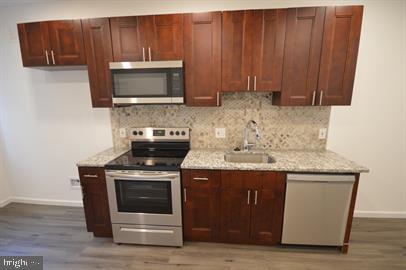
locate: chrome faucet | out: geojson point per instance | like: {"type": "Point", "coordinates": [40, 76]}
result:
{"type": "Point", "coordinates": [251, 126]}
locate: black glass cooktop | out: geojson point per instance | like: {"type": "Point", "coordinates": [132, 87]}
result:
{"type": "Point", "coordinates": [152, 156]}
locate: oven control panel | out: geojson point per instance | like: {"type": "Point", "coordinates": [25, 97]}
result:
{"type": "Point", "coordinates": [162, 134]}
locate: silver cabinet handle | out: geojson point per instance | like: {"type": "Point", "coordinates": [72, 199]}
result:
{"type": "Point", "coordinates": [46, 57]}
{"type": "Point", "coordinates": [255, 83]}
{"type": "Point", "coordinates": [143, 54]}
{"type": "Point", "coordinates": [149, 52]}
{"type": "Point", "coordinates": [248, 85]}
{"type": "Point", "coordinates": [314, 98]}
{"type": "Point", "coordinates": [248, 196]}
{"type": "Point", "coordinates": [184, 195]}
{"type": "Point", "coordinates": [91, 175]}
{"type": "Point", "coordinates": [53, 57]}
{"type": "Point", "coordinates": [201, 178]}
{"type": "Point", "coordinates": [321, 98]}
{"type": "Point", "coordinates": [256, 197]}
{"type": "Point", "coordinates": [218, 99]}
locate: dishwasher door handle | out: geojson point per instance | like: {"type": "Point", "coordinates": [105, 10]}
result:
{"type": "Point", "coordinates": [323, 178]}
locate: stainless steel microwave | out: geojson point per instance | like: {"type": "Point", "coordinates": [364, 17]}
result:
{"type": "Point", "coordinates": [154, 82]}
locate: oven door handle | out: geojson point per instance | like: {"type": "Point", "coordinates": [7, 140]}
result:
{"type": "Point", "coordinates": [142, 176]}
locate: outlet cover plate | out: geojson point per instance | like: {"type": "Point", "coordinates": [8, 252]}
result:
{"type": "Point", "coordinates": [123, 132]}
{"type": "Point", "coordinates": [322, 133]}
{"type": "Point", "coordinates": [220, 133]}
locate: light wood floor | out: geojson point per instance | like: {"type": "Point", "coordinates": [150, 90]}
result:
{"type": "Point", "coordinates": [59, 234]}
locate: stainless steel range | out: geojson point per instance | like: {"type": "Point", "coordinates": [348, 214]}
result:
{"type": "Point", "coordinates": [143, 187]}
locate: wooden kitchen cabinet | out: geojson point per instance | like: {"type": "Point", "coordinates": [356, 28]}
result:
{"type": "Point", "coordinates": [95, 201]}
{"type": "Point", "coordinates": [147, 38]}
{"type": "Point", "coordinates": [320, 57]}
{"type": "Point", "coordinates": [253, 50]}
{"type": "Point", "coordinates": [202, 58]}
{"type": "Point", "coordinates": [99, 53]}
{"type": "Point", "coordinates": [52, 43]}
{"type": "Point", "coordinates": [252, 206]}
{"type": "Point", "coordinates": [201, 201]}
{"type": "Point", "coordinates": [233, 206]}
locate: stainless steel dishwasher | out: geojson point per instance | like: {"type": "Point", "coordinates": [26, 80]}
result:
{"type": "Point", "coordinates": [316, 209]}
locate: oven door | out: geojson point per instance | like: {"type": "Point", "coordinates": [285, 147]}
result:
{"type": "Point", "coordinates": [144, 197]}
{"type": "Point", "coordinates": [147, 82]}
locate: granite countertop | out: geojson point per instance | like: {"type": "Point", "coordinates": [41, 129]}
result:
{"type": "Point", "coordinates": [323, 161]}
{"type": "Point", "coordinates": [102, 158]}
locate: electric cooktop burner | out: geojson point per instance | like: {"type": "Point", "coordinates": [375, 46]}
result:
{"type": "Point", "coordinates": [154, 150]}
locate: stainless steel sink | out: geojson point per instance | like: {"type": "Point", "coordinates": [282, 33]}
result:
{"type": "Point", "coordinates": [248, 157]}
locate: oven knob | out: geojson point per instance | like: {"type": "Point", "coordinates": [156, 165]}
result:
{"type": "Point", "coordinates": [171, 133]}
{"type": "Point", "coordinates": [177, 133]}
{"type": "Point", "coordinates": [141, 133]}
{"type": "Point", "coordinates": [135, 133]}
{"type": "Point", "coordinates": [183, 133]}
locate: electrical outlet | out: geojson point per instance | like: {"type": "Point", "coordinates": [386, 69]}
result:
{"type": "Point", "coordinates": [74, 183]}
{"type": "Point", "coordinates": [220, 133]}
{"type": "Point", "coordinates": [123, 132]}
{"type": "Point", "coordinates": [322, 133]}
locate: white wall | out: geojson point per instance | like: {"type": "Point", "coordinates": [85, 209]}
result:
{"type": "Point", "coordinates": [372, 130]}
{"type": "Point", "coordinates": [49, 123]}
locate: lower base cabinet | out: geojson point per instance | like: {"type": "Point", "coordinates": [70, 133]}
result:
{"type": "Point", "coordinates": [233, 206]}
{"type": "Point", "coordinates": [95, 201]}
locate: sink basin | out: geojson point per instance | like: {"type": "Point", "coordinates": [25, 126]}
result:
{"type": "Point", "coordinates": [248, 157]}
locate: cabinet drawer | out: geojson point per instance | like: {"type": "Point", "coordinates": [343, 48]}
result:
{"type": "Point", "coordinates": [91, 173]}
{"type": "Point", "coordinates": [201, 178]}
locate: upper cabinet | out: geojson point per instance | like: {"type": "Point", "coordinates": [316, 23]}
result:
{"type": "Point", "coordinates": [253, 49]}
{"type": "Point", "coordinates": [147, 38]}
{"type": "Point", "coordinates": [320, 56]}
{"type": "Point", "coordinates": [53, 43]}
{"type": "Point", "coordinates": [305, 56]}
{"type": "Point", "coordinates": [99, 54]}
{"type": "Point", "coordinates": [202, 58]}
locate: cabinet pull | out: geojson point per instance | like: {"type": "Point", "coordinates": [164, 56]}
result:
{"type": "Point", "coordinates": [53, 57]}
{"type": "Point", "coordinates": [314, 98]}
{"type": "Point", "coordinates": [201, 178]}
{"type": "Point", "coordinates": [149, 52]}
{"type": "Point", "coordinates": [255, 83]}
{"type": "Point", "coordinates": [184, 195]}
{"type": "Point", "coordinates": [143, 54]}
{"type": "Point", "coordinates": [321, 98]}
{"type": "Point", "coordinates": [46, 56]}
{"type": "Point", "coordinates": [248, 85]}
{"type": "Point", "coordinates": [256, 197]}
{"type": "Point", "coordinates": [218, 99]}
{"type": "Point", "coordinates": [91, 175]}
{"type": "Point", "coordinates": [248, 196]}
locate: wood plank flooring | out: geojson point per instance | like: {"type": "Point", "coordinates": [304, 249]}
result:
{"type": "Point", "coordinates": [59, 234]}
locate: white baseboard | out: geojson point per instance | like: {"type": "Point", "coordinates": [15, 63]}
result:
{"type": "Point", "coordinates": [380, 214]}
{"type": "Point", "coordinates": [5, 202]}
{"type": "Point", "coordinates": [42, 201]}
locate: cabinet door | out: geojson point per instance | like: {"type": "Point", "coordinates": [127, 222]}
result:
{"type": "Point", "coordinates": [339, 55]}
{"type": "Point", "coordinates": [202, 51]}
{"type": "Point", "coordinates": [66, 42]}
{"type": "Point", "coordinates": [163, 35]}
{"type": "Point", "coordinates": [236, 197]}
{"type": "Point", "coordinates": [126, 39]}
{"type": "Point", "coordinates": [304, 34]}
{"type": "Point", "coordinates": [267, 208]}
{"type": "Point", "coordinates": [34, 43]}
{"type": "Point", "coordinates": [236, 50]}
{"type": "Point", "coordinates": [95, 201]}
{"type": "Point", "coordinates": [201, 200]}
{"type": "Point", "coordinates": [98, 55]}
{"type": "Point", "coordinates": [269, 27]}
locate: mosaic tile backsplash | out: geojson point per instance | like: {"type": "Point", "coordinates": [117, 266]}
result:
{"type": "Point", "coordinates": [280, 127]}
